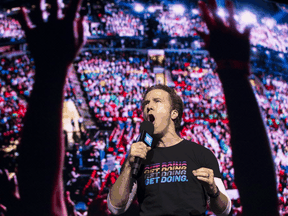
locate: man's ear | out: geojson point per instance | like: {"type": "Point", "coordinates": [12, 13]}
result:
{"type": "Point", "coordinates": [174, 114]}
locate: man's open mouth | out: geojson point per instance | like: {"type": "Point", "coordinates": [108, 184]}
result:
{"type": "Point", "coordinates": [151, 118]}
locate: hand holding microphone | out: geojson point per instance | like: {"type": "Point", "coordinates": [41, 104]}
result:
{"type": "Point", "coordinates": [139, 149]}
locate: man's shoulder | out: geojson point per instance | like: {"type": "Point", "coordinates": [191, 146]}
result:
{"type": "Point", "coordinates": [196, 147]}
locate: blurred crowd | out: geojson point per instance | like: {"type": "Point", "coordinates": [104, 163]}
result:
{"type": "Point", "coordinates": [116, 21]}
{"type": "Point", "coordinates": [10, 28]}
{"type": "Point", "coordinates": [270, 36]}
{"type": "Point", "coordinates": [176, 25]}
{"type": "Point", "coordinates": [16, 83]}
{"type": "Point", "coordinates": [113, 83]}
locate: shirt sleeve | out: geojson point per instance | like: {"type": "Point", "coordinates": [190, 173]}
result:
{"type": "Point", "coordinates": [221, 188]}
{"type": "Point", "coordinates": [212, 163]}
{"type": "Point", "coordinates": [119, 210]}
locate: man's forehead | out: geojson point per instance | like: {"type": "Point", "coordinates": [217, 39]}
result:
{"type": "Point", "coordinates": [157, 93]}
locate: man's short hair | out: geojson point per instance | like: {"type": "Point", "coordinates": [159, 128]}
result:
{"type": "Point", "coordinates": [176, 101]}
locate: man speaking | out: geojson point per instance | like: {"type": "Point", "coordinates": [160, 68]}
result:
{"type": "Point", "coordinates": [177, 176]}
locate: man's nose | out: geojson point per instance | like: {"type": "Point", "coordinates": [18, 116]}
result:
{"type": "Point", "coordinates": [149, 108]}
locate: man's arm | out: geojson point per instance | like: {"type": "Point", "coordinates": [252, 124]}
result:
{"type": "Point", "coordinates": [222, 204]}
{"type": "Point", "coordinates": [121, 192]}
{"type": "Point", "coordinates": [219, 204]}
{"type": "Point", "coordinates": [252, 159]}
{"type": "Point", "coordinates": [54, 45]}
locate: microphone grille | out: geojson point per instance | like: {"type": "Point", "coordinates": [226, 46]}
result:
{"type": "Point", "coordinates": [147, 126]}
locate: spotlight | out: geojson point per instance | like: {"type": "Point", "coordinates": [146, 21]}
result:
{"type": "Point", "coordinates": [178, 9]}
{"type": "Point", "coordinates": [281, 55]}
{"type": "Point", "coordinates": [248, 17]}
{"type": "Point", "coordinates": [236, 17]}
{"type": "Point", "coordinates": [221, 12]}
{"type": "Point", "coordinates": [254, 49]}
{"type": "Point", "coordinates": [173, 41]}
{"type": "Point", "coordinates": [269, 22]}
{"type": "Point", "coordinates": [195, 11]}
{"type": "Point", "coordinates": [138, 8]}
{"type": "Point", "coordinates": [151, 9]}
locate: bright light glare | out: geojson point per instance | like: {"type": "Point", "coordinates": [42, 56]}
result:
{"type": "Point", "coordinates": [195, 11]}
{"type": "Point", "coordinates": [173, 41]}
{"type": "Point", "coordinates": [267, 52]}
{"type": "Point", "coordinates": [15, 9]}
{"type": "Point", "coordinates": [151, 9]}
{"type": "Point", "coordinates": [138, 8]}
{"type": "Point", "coordinates": [254, 49]}
{"type": "Point", "coordinates": [269, 22]}
{"type": "Point", "coordinates": [178, 9]}
{"type": "Point", "coordinates": [281, 55]}
{"type": "Point", "coordinates": [248, 18]}
{"type": "Point", "coordinates": [221, 12]}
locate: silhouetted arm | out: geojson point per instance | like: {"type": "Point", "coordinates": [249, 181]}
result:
{"type": "Point", "coordinates": [252, 159]}
{"type": "Point", "coordinates": [54, 45]}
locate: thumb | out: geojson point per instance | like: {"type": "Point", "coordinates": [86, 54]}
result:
{"type": "Point", "coordinates": [80, 28]}
{"type": "Point", "coordinates": [247, 31]}
{"type": "Point", "coordinates": [200, 33]}
{"type": "Point", "coordinates": [204, 37]}
{"type": "Point", "coordinates": [131, 159]}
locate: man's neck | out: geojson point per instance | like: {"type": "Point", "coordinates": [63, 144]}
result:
{"type": "Point", "coordinates": [168, 141]}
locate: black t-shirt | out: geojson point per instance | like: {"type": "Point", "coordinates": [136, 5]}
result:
{"type": "Point", "coordinates": [166, 184]}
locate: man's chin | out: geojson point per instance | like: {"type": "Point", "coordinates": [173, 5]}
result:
{"type": "Point", "coordinates": [157, 135]}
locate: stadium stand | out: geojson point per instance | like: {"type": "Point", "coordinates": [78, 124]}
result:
{"type": "Point", "coordinates": [113, 81]}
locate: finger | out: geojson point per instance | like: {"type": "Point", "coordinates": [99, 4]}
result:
{"type": "Point", "coordinates": [74, 9]}
{"type": "Point", "coordinates": [204, 36]}
{"type": "Point", "coordinates": [201, 169]}
{"type": "Point", "coordinates": [231, 11]}
{"type": "Point", "coordinates": [247, 31]}
{"type": "Point", "coordinates": [24, 20]}
{"type": "Point", "coordinates": [140, 151]}
{"type": "Point", "coordinates": [139, 154]}
{"type": "Point", "coordinates": [206, 15]}
{"type": "Point", "coordinates": [139, 146]}
{"type": "Point", "coordinates": [212, 5]}
{"type": "Point", "coordinates": [200, 33]}
{"type": "Point", "coordinates": [202, 174]}
{"type": "Point", "coordinates": [204, 169]}
{"type": "Point", "coordinates": [80, 28]}
{"type": "Point", "coordinates": [15, 184]}
{"type": "Point", "coordinates": [37, 14]}
{"type": "Point", "coordinates": [204, 179]}
{"type": "Point", "coordinates": [136, 153]}
{"type": "Point", "coordinates": [55, 11]}
{"type": "Point", "coordinates": [6, 174]}
{"type": "Point", "coordinates": [15, 181]}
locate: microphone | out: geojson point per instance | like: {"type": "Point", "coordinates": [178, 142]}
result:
{"type": "Point", "coordinates": [146, 132]}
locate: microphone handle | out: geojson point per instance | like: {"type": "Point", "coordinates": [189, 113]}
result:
{"type": "Point", "coordinates": [136, 166]}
